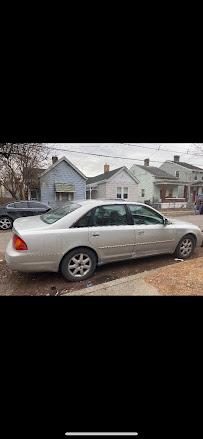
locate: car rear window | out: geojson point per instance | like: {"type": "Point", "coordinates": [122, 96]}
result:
{"type": "Point", "coordinates": [60, 212]}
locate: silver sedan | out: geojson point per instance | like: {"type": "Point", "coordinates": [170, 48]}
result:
{"type": "Point", "coordinates": [78, 236]}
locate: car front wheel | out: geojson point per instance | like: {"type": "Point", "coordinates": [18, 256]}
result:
{"type": "Point", "coordinates": [79, 264]}
{"type": "Point", "coordinates": [185, 247]}
{"type": "Point", "coordinates": [6, 223]}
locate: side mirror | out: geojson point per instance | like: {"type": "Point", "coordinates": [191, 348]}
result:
{"type": "Point", "coordinates": [165, 221]}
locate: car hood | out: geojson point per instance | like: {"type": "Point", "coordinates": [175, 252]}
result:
{"type": "Point", "coordinates": [184, 223]}
{"type": "Point", "coordinates": [29, 223]}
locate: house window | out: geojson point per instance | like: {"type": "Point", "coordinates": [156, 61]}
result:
{"type": "Point", "coordinates": [33, 194]}
{"type": "Point", "coordinates": [143, 193]}
{"type": "Point", "coordinates": [202, 178]}
{"type": "Point", "coordinates": [177, 174]}
{"type": "Point", "coordinates": [119, 192]}
{"type": "Point", "coordinates": [122, 192]}
{"type": "Point", "coordinates": [195, 177]}
{"type": "Point", "coordinates": [125, 193]}
{"type": "Point", "coordinates": [64, 196]}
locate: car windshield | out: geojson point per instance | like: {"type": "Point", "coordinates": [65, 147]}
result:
{"type": "Point", "coordinates": [60, 212]}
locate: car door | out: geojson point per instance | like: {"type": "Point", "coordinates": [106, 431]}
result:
{"type": "Point", "coordinates": [22, 209]}
{"type": "Point", "coordinates": [151, 235]}
{"type": "Point", "coordinates": [11, 210]}
{"type": "Point", "coordinates": [110, 234]}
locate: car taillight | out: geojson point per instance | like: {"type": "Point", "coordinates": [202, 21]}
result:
{"type": "Point", "coordinates": [18, 243]}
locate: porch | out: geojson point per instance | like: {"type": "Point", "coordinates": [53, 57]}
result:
{"type": "Point", "coordinates": [168, 194]}
{"type": "Point", "coordinates": [196, 189]}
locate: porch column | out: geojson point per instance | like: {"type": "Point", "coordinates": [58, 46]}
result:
{"type": "Point", "coordinates": [162, 193]}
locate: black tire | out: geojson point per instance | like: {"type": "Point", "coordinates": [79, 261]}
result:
{"type": "Point", "coordinates": [186, 247]}
{"type": "Point", "coordinates": [6, 223]}
{"type": "Point", "coordinates": [75, 267]}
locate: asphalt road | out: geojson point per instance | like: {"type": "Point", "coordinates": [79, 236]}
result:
{"type": "Point", "coordinates": [13, 283]}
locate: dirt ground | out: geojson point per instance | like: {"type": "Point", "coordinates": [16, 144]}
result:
{"type": "Point", "coordinates": [184, 278]}
{"type": "Point", "coordinates": [53, 284]}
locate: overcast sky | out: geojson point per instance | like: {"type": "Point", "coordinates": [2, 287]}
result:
{"type": "Point", "coordinates": [156, 152]}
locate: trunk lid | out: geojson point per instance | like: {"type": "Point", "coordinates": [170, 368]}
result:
{"type": "Point", "coordinates": [29, 223]}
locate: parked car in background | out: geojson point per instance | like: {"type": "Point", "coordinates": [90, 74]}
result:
{"type": "Point", "coordinates": [11, 211]}
{"type": "Point", "coordinates": [78, 236]}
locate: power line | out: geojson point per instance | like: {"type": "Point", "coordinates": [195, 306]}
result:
{"type": "Point", "coordinates": [159, 148]}
{"type": "Point", "coordinates": [105, 155]}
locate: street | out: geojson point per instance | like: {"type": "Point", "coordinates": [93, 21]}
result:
{"type": "Point", "coordinates": [13, 283]}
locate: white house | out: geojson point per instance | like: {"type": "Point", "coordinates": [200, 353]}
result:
{"type": "Point", "coordinates": [192, 175]}
{"type": "Point", "coordinates": [115, 184]}
{"type": "Point", "coordinates": [157, 186]}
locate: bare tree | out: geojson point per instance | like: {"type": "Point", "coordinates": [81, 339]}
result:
{"type": "Point", "coordinates": [19, 165]}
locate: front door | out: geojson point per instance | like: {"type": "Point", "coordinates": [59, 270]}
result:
{"type": "Point", "coordinates": [186, 193]}
{"type": "Point", "coordinates": [151, 235]}
{"type": "Point", "coordinates": [110, 235]}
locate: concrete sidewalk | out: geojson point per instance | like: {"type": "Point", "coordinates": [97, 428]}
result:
{"type": "Point", "coordinates": [127, 286]}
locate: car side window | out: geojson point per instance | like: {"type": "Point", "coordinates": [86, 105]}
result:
{"type": "Point", "coordinates": [84, 221]}
{"type": "Point", "coordinates": [21, 205]}
{"type": "Point", "coordinates": [11, 206]}
{"type": "Point", "coordinates": [36, 205]}
{"type": "Point", "coordinates": [144, 215]}
{"type": "Point", "coordinates": [110, 215]}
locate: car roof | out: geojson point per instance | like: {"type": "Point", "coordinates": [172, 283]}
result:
{"type": "Point", "coordinates": [100, 202]}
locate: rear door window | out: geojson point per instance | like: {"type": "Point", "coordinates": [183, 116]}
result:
{"type": "Point", "coordinates": [84, 221]}
{"type": "Point", "coordinates": [21, 205]}
{"type": "Point", "coordinates": [37, 205]}
{"type": "Point", "coordinates": [110, 215]}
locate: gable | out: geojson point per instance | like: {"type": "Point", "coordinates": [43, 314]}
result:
{"type": "Point", "coordinates": [123, 177]}
{"type": "Point", "coordinates": [67, 163]}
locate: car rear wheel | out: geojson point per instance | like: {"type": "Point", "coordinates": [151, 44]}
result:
{"type": "Point", "coordinates": [6, 223]}
{"type": "Point", "coordinates": [185, 247]}
{"type": "Point", "coordinates": [79, 264]}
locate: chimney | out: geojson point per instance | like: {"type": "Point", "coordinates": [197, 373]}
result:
{"type": "Point", "coordinates": [106, 168]}
{"type": "Point", "coordinates": [54, 160]}
{"type": "Point", "coordinates": [176, 158]}
{"type": "Point", "coordinates": [146, 162]}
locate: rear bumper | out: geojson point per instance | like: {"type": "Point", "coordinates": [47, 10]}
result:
{"type": "Point", "coordinates": [23, 261]}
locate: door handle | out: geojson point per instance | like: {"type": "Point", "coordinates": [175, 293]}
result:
{"type": "Point", "coordinates": [95, 234]}
{"type": "Point", "coordinates": [141, 232]}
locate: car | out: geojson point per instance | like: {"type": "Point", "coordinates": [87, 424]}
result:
{"type": "Point", "coordinates": [78, 236]}
{"type": "Point", "coordinates": [11, 211]}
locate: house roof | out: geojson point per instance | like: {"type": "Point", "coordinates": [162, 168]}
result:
{"type": "Point", "coordinates": [187, 165]}
{"type": "Point", "coordinates": [107, 175]}
{"type": "Point", "coordinates": [157, 172]}
{"type": "Point", "coordinates": [68, 163]}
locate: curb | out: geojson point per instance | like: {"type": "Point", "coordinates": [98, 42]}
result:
{"type": "Point", "coordinates": [129, 285]}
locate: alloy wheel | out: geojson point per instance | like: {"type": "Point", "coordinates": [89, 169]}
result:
{"type": "Point", "coordinates": [5, 223]}
{"type": "Point", "coordinates": [79, 265]}
{"type": "Point", "coordinates": [186, 247]}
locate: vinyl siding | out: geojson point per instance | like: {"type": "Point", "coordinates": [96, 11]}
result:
{"type": "Point", "coordinates": [62, 173]}
{"type": "Point", "coordinates": [186, 175]}
{"type": "Point", "coordinates": [122, 179]}
{"type": "Point", "coordinates": [146, 182]}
